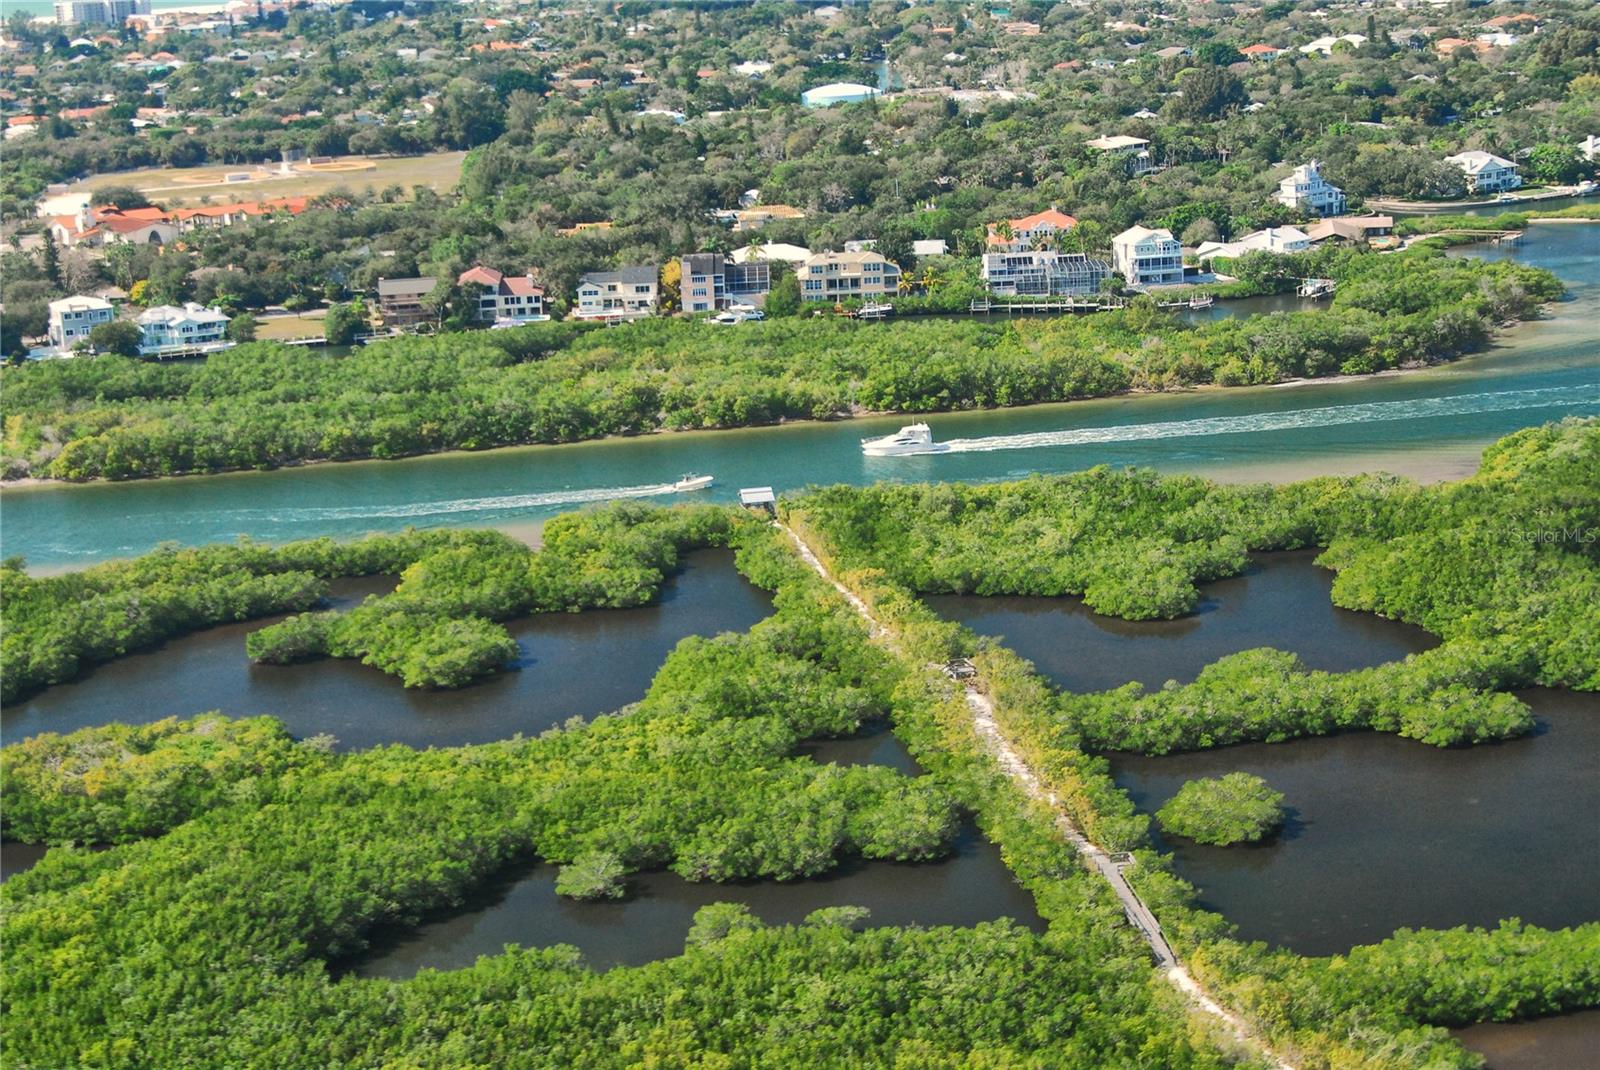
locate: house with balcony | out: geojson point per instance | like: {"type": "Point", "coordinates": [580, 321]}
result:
{"type": "Point", "coordinates": [1146, 257]}
{"type": "Point", "coordinates": [843, 276]}
{"type": "Point", "coordinates": [1043, 273]}
{"type": "Point", "coordinates": [1486, 172]}
{"type": "Point", "coordinates": [710, 282]}
{"type": "Point", "coordinates": [1037, 231]}
{"type": "Point", "coordinates": [400, 300]}
{"type": "Point", "coordinates": [1135, 151]}
{"type": "Point", "coordinates": [72, 318]}
{"type": "Point", "coordinates": [1305, 190]}
{"type": "Point", "coordinates": [505, 298]}
{"type": "Point", "coordinates": [171, 329]}
{"type": "Point", "coordinates": [625, 294]}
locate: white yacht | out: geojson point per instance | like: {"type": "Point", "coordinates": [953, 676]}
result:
{"type": "Point", "coordinates": [916, 438]}
{"type": "Point", "coordinates": [690, 481]}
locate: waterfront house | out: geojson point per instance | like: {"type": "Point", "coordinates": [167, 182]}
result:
{"type": "Point", "coordinates": [1486, 172]}
{"type": "Point", "coordinates": [1146, 257]}
{"type": "Point", "coordinates": [505, 298]}
{"type": "Point", "coordinates": [839, 276]}
{"type": "Point", "coordinates": [170, 329]}
{"type": "Point", "coordinates": [1043, 273]}
{"type": "Point", "coordinates": [400, 300]}
{"type": "Point", "coordinates": [1350, 228]}
{"type": "Point", "coordinates": [1039, 230]}
{"type": "Point", "coordinates": [72, 318]}
{"type": "Point", "coordinates": [625, 294]}
{"type": "Point", "coordinates": [1277, 240]}
{"type": "Point", "coordinates": [710, 282]}
{"type": "Point", "coordinates": [1305, 190]}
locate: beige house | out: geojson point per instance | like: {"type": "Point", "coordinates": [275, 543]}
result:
{"type": "Point", "coordinates": [841, 276]}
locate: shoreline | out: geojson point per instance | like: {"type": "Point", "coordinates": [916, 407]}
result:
{"type": "Point", "coordinates": [35, 483]}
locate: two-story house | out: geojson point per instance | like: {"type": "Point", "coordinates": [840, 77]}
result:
{"type": "Point", "coordinates": [1043, 273]}
{"type": "Point", "coordinates": [841, 276]}
{"type": "Point", "coordinates": [1134, 150]}
{"type": "Point", "coordinates": [1035, 231]}
{"type": "Point", "coordinates": [1146, 257]}
{"type": "Point", "coordinates": [1486, 172]}
{"type": "Point", "coordinates": [168, 328]}
{"type": "Point", "coordinates": [505, 298]}
{"type": "Point", "coordinates": [1305, 190]}
{"type": "Point", "coordinates": [72, 318]}
{"type": "Point", "coordinates": [624, 294]}
{"type": "Point", "coordinates": [400, 300]}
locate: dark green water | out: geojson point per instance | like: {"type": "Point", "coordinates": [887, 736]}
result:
{"type": "Point", "coordinates": [1283, 601]}
{"type": "Point", "coordinates": [1386, 832]}
{"type": "Point", "coordinates": [1569, 1042]}
{"type": "Point", "coordinates": [1430, 424]}
{"type": "Point", "coordinates": [570, 664]}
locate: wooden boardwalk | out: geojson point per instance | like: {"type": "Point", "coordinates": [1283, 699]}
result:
{"type": "Point", "coordinates": [1109, 867]}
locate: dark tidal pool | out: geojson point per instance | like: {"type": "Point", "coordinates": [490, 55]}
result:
{"type": "Point", "coordinates": [569, 664]}
{"type": "Point", "coordinates": [1282, 601]}
{"type": "Point", "coordinates": [522, 908]}
{"type": "Point", "coordinates": [1386, 832]}
{"type": "Point", "coordinates": [1568, 1042]}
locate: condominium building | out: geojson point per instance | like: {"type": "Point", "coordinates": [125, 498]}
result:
{"type": "Point", "coordinates": [1146, 257]}
{"type": "Point", "coordinates": [627, 293]}
{"type": "Point", "coordinates": [168, 327]}
{"type": "Point", "coordinates": [505, 298]}
{"type": "Point", "coordinates": [72, 318]}
{"type": "Point", "coordinates": [1305, 190]}
{"type": "Point", "coordinates": [1486, 172]}
{"type": "Point", "coordinates": [840, 276]}
{"type": "Point", "coordinates": [1043, 274]}
{"type": "Point", "coordinates": [98, 12]}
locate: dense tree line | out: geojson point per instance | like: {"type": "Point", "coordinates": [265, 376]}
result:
{"type": "Point", "coordinates": [57, 626]}
{"type": "Point", "coordinates": [262, 405]}
{"type": "Point", "coordinates": [441, 627]}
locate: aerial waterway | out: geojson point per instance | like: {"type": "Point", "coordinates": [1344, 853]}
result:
{"type": "Point", "coordinates": [1430, 424]}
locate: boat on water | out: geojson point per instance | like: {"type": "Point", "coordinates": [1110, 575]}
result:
{"type": "Point", "coordinates": [914, 438]}
{"type": "Point", "coordinates": [873, 311]}
{"type": "Point", "coordinates": [1315, 288]}
{"type": "Point", "coordinates": [1199, 301]}
{"type": "Point", "coordinates": [690, 481]}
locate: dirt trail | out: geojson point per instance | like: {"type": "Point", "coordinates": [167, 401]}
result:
{"type": "Point", "coordinates": [1109, 868]}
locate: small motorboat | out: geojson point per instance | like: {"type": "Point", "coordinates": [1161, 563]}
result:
{"type": "Point", "coordinates": [915, 438]}
{"type": "Point", "coordinates": [1199, 301]}
{"type": "Point", "coordinates": [873, 311]}
{"type": "Point", "coordinates": [690, 482]}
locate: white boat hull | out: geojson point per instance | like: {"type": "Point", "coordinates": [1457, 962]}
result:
{"type": "Point", "coordinates": [683, 486]}
{"type": "Point", "coordinates": [871, 449]}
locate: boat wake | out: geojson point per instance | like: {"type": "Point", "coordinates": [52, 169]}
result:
{"type": "Point", "coordinates": [509, 503]}
{"type": "Point", "coordinates": [1294, 419]}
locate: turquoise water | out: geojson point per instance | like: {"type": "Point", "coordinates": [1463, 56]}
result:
{"type": "Point", "coordinates": [1428, 424]}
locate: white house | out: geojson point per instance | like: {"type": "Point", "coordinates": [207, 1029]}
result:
{"type": "Point", "coordinates": [1136, 150]}
{"type": "Point", "coordinates": [1486, 172]}
{"type": "Point", "coordinates": [839, 276]}
{"type": "Point", "coordinates": [1147, 257]}
{"type": "Point", "coordinates": [505, 298]}
{"type": "Point", "coordinates": [1043, 273]}
{"type": "Point", "coordinates": [72, 318]}
{"type": "Point", "coordinates": [1270, 240]}
{"type": "Point", "coordinates": [1589, 148]}
{"type": "Point", "coordinates": [628, 293]}
{"type": "Point", "coordinates": [168, 328]}
{"type": "Point", "coordinates": [772, 250]}
{"type": "Point", "coordinates": [1325, 45]}
{"type": "Point", "coordinates": [826, 96]}
{"type": "Point", "coordinates": [1305, 190]}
